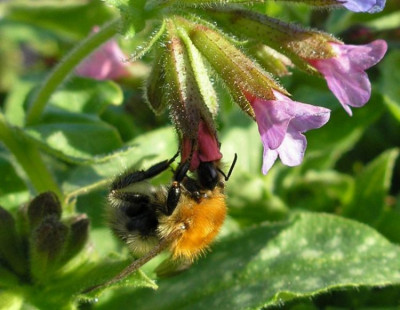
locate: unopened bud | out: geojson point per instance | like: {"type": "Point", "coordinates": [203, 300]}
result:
{"type": "Point", "coordinates": [10, 246]}
{"type": "Point", "coordinates": [44, 205]}
{"type": "Point", "coordinates": [274, 62]}
{"type": "Point", "coordinates": [78, 235]}
{"type": "Point", "coordinates": [295, 42]}
{"type": "Point", "coordinates": [186, 102]}
{"type": "Point", "coordinates": [47, 243]}
{"type": "Point", "coordinates": [238, 71]}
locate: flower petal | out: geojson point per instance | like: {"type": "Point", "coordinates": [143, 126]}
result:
{"type": "Point", "coordinates": [269, 158]}
{"type": "Point", "coordinates": [306, 116]}
{"type": "Point", "coordinates": [105, 63]}
{"type": "Point", "coordinates": [207, 144]}
{"type": "Point", "coordinates": [370, 6]}
{"type": "Point", "coordinates": [345, 74]}
{"type": "Point", "coordinates": [272, 120]}
{"type": "Point", "coordinates": [291, 151]}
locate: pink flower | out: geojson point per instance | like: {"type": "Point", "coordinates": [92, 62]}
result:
{"type": "Point", "coordinates": [369, 6]}
{"type": "Point", "coordinates": [106, 63]}
{"type": "Point", "coordinates": [207, 148]}
{"type": "Point", "coordinates": [345, 73]}
{"type": "Point", "coordinates": [281, 123]}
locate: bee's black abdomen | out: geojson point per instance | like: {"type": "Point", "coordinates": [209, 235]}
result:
{"type": "Point", "coordinates": [145, 222]}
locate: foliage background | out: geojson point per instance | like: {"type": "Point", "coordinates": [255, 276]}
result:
{"type": "Point", "coordinates": [279, 248]}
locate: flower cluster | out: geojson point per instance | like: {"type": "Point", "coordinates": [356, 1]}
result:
{"type": "Point", "coordinates": [36, 245]}
{"type": "Point", "coordinates": [192, 47]}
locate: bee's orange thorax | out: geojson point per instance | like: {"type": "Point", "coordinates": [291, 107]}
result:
{"type": "Point", "coordinates": [199, 222]}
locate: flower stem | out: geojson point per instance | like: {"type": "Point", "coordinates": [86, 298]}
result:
{"type": "Point", "coordinates": [64, 68]}
{"type": "Point", "coordinates": [28, 157]}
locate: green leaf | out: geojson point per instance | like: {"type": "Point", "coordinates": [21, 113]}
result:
{"type": "Point", "coordinates": [78, 141]}
{"type": "Point", "coordinates": [61, 18]}
{"type": "Point", "coordinates": [132, 15]}
{"type": "Point", "coordinates": [13, 190]}
{"type": "Point", "coordinates": [273, 263]}
{"type": "Point", "coordinates": [371, 189]}
{"type": "Point", "coordinates": [143, 151]}
{"type": "Point", "coordinates": [327, 144]}
{"type": "Point", "coordinates": [390, 83]}
{"type": "Point", "coordinates": [89, 96]}
{"type": "Point", "coordinates": [10, 300]}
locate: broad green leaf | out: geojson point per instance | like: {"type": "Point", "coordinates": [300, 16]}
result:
{"type": "Point", "coordinates": [390, 83]}
{"type": "Point", "coordinates": [273, 263]}
{"type": "Point", "coordinates": [89, 96]}
{"type": "Point", "coordinates": [321, 191]}
{"type": "Point", "coordinates": [66, 289]}
{"type": "Point", "coordinates": [77, 141]}
{"type": "Point", "coordinates": [328, 143]}
{"type": "Point", "coordinates": [141, 153]}
{"type": "Point", "coordinates": [10, 300]}
{"type": "Point", "coordinates": [13, 190]}
{"type": "Point", "coordinates": [62, 18]}
{"type": "Point", "coordinates": [371, 189]}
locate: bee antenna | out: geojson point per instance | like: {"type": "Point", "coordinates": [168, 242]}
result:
{"type": "Point", "coordinates": [230, 169]}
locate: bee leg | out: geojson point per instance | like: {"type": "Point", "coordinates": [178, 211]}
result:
{"type": "Point", "coordinates": [141, 175]}
{"type": "Point", "coordinates": [174, 192]}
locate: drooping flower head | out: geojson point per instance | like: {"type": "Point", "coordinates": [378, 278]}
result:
{"type": "Point", "coordinates": [281, 123]}
{"type": "Point", "coordinates": [106, 63]}
{"type": "Point", "coordinates": [345, 72]}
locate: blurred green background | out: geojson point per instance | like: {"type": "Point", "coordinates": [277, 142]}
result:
{"type": "Point", "coordinates": [351, 167]}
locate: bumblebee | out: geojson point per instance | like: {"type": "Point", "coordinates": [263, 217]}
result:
{"type": "Point", "coordinates": [185, 215]}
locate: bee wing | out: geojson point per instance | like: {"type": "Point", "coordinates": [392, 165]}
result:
{"type": "Point", "coordinates": [171, 267]}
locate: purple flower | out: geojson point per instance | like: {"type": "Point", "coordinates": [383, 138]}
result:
{"type": "Point", "coordinates": [281, 123]}
{"type": "Point", "coordinates": [345, 73]}
{"type": "Point", "coordinates": [106, 63]}
{"type": "Point", "coordinates": [369, 6]}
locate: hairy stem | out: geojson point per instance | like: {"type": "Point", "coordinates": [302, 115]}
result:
{"type": "Point", "coordinates": [28, 157]}
{"type": "Point", "coordinates": [65, 67]}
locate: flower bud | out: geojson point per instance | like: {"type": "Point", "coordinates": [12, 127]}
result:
{"type": "Point", "coordinates": [46, 245]}
{"type": "Point", "coordinates": [78, 235]}
{"type": "Point", "coordinates": [239, 72]}
{"type": "Point", "coordinates": [186, 103]}
{"type": "Point", "coordinates": [295, 42]}
{"type": "Point", "coordinates": [10, 246]}
{"type": "Point", "coordinates": [44, 205]}
{"type": "Point", "coordinates": [274, 62]}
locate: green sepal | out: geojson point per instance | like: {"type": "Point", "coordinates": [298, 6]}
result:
{"type": "Point", "coordinates": [47, 243]}
{"type": "Point", "coordinates": [145, 47]}
{"type": "Point", "coordinates": [44, 205]}
{"type": "Point", "coordinates": [240, 73]}
{"type": "Point", "coordinates": [201, 74]}
{"type": "Point", "coordinates": [77, 237]}
{"type": "Point", "coordinates": [154, 88]}
{"type": "Point", "coordinates": [297, 43]}
{"type": "Point", "coordinates": [271, 60]}
{"type": "Point", "coordinates": [182, 91]}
